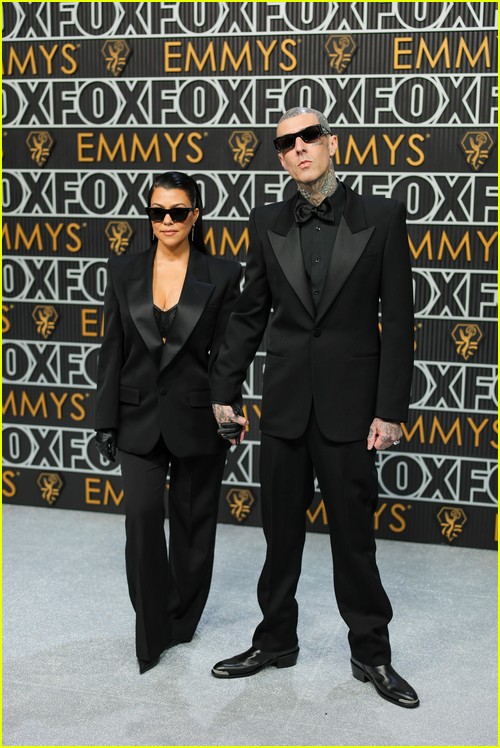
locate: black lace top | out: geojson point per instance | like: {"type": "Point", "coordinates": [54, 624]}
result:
{"type": "Point", "coordinates": [164, 318]}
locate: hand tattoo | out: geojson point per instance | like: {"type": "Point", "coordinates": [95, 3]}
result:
{"type": "Point", "coordinates": [223, 413]}
{"type": "Point", "coordinates": [383, 434]}
{"type": "Point", "coordinates": [231, 422]}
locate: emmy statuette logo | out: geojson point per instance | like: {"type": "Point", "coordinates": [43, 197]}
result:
{"type": "Point", "coordinates": [118, 234]}
{"type": "Point", "coordinates": [476, 146]}
{"type": "Point", "coordinates": [452, 520]}
{"type": "Point", "coordinates": [243, 144]}
{"type": "Point", "coordinates": [45, 316]}
{"type": "Point", "coordinates": [40, 144]}
{"type": "Point", "coordinates": [240, 501]}
{"type": "Point", "coordinates": [116, 54]}
{"type": "Point", "coordinates": [340, 48]}
{"type": "Point", "coordinates": [467, 337]}
{"type": "Point", "coordinates": [50, 485]}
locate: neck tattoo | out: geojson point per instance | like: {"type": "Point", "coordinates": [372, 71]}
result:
{"type": "Point", "coordinates": [315, 192]}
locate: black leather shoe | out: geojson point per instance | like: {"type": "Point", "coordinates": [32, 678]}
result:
{"type": "Point", "coordinates": [388, 683]}
{"type": "Point", "coordinates": [145, 665]}
{"type": "Point", "coordinates": [253, 660]}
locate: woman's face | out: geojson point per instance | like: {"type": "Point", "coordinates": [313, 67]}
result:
{"type": "Point", "coordinates": [172, 235]}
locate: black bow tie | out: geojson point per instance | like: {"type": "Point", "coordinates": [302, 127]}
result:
{"type": "Point", "coordinates": [305, 211]}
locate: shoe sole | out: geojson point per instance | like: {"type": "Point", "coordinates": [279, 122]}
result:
{"type": "Point", "coordinates": [360, 674]}
{"type": "Point", "coordinates": [288, 660]}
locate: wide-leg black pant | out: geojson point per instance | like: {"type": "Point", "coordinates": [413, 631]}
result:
{"type": "Point", "coordinates": [169, 588]}
{"type": "Point", "coordinates": [348, 483]}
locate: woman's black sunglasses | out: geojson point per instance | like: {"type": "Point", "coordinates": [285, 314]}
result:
{"type": "Point", "coordinates": [308, 135]}
{"type": "Point", "coordinates": [178, 215]}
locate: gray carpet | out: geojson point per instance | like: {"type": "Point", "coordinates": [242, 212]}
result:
{"type": "Point", "coordinates": [70, 676]}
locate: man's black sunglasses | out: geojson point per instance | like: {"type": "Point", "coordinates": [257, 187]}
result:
{"type": "Point", "coordinates": [178, 215]}
{"type": "Point", "coordinates": [308, 135]}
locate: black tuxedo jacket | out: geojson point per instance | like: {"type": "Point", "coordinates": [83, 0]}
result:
{"type": "Point", "coordinates": [145, 388]}
{"type": "Point", "coordinates": [337, 355]}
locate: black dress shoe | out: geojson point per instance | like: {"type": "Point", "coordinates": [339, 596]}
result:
{"type": "Point", "coordinates": [145, 665]}
{"type": "Point", "coordinates": [388, 683]}
{"type": "Point", "coordinates": [253, 660]}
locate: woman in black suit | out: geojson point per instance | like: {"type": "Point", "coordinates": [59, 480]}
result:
{"type": "Point", "coordinates": [166, 310]}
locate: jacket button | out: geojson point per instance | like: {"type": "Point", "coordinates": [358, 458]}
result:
{"type": "Point", "coordinates": [163, 391]}
{"type": "Point", "coordinates": [317, 332]}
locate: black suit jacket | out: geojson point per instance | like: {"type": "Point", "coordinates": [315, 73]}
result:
{"type": "Point", "coordinates": [145, 388]}
{"type": "Point", "coordinates": [336, 355]}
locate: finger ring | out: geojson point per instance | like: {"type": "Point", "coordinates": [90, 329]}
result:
{"type": "Point", "coordinates": [396, 442]}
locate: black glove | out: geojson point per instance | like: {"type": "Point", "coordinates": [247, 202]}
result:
{"type": "Point", "coordinates": [230, 429]}
{"type": "Point", "coordinates": [105, 441]}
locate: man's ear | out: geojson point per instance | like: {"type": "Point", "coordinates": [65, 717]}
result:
{"type": "Point", "coordinates": [333, 145]}
{"type": "Point", "coordinates": [282, 161]}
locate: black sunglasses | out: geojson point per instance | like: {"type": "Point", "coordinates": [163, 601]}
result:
{"type": "Point", "coordinates": [178, 215]}
{"type": "Point", "coordinates": [308, 135]}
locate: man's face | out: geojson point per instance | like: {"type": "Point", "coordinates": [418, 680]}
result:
{"type": "Point", "coordinates": [306, 162]}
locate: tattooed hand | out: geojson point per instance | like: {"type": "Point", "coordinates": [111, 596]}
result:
{"type": "Point", "coordinates": [225, 416]}
{"type": "Point", "coordinates": [383, 434]}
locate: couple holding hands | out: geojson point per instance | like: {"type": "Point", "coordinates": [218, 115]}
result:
{"type": "Point", "coordinates": [179, 338]}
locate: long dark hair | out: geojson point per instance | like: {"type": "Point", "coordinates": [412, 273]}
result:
{"type": "Point", "coordinates": [177, 180]}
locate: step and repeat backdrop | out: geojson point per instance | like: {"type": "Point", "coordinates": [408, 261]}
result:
{"type": "Point", "coordinates": [99, 97]}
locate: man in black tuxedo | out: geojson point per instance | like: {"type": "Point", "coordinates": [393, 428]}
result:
{"type": "Point", "coordinates": [335, 389]}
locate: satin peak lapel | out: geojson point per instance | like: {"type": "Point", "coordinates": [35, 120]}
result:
{"type": "Point", "coordinates": [139, 290]}
{"type": "Point", "coordinates": [347, 250]}
{"type": "Point", "coordinates": [289, 255]}
{"type": "Point", "coordinates": [194, 298]}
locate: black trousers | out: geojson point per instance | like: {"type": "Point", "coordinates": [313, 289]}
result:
{"type": "Point", "coordinates": [348, 482]}
{"type": "Point", "coordinates": [169, 588]}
